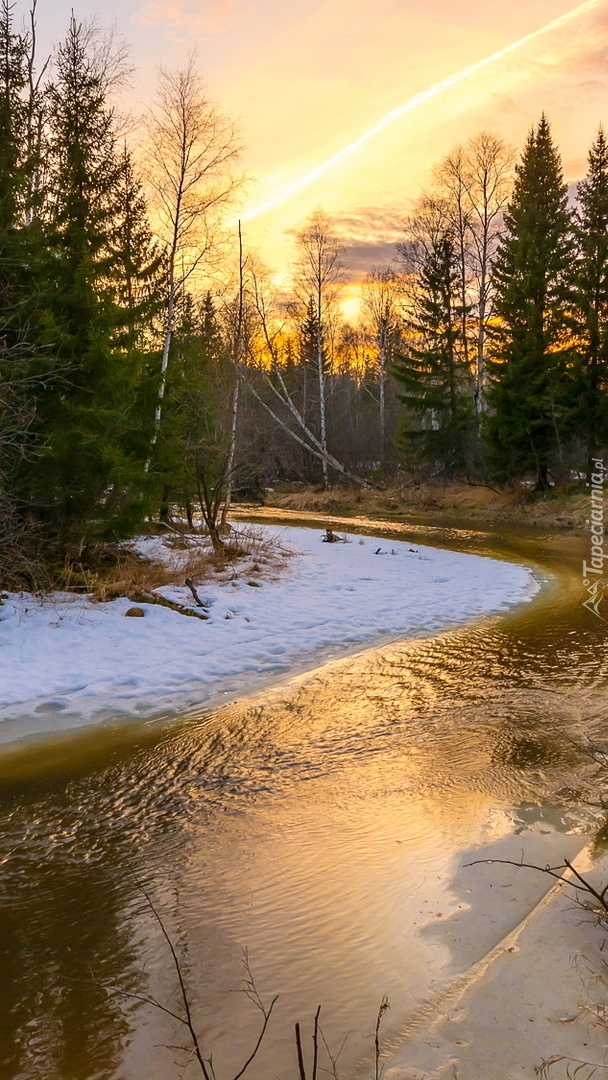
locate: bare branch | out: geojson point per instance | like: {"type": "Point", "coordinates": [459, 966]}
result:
{"type": "Point", "coordinates": [552, 871]}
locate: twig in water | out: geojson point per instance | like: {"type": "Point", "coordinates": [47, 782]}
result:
{"type": "Point", "coordinates": [315, 1044]}
{"type": "Point", "coordinates": [301, 1069]}
{"type": "Point", "coordinates": [251, 992]}
{"type": "Point", "coordinates": [333, 1060]}
{"type": "Point", "coordinates": [195, 1051]}
{"type": "Point", "coordinates": [543, 1069]}
{"type": "Point", "coordinates": [384, 1005]}
{"type": "Point", "coordinates": [552, 871]}
{"type": "Point", "coordinates": [182, 985]}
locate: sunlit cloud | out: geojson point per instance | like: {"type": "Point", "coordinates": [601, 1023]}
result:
{"type": "Point", "coordinates": [310, 83]}
{"type": "Point", "coordinates": [414, 103]}
{"type": "Point", "coordinates": [210, 17]}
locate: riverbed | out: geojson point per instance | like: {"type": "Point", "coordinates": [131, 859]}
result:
{"type": "Point", "coordinates": [321, 826]}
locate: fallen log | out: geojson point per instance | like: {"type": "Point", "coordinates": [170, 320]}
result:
{"type": "Point", "coordinates": [333, 538]}
{"type": "Point", "coordinates": [146, 597]}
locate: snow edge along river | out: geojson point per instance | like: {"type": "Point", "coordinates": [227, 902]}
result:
{"type": "Point", "coordinates": [66, 662]}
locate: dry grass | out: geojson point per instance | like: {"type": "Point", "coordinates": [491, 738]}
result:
{"type": "Point", "coordinates": [127, 575]}
{"type": "Point", "coordinates": [112, 571]}
{"type": "Point", "coordinates": [458, 500]}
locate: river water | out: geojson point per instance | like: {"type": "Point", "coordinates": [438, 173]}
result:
{"type": "Point", "coordinates": [321, 826]}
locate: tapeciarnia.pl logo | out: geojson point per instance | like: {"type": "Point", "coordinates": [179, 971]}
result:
{"type": "Point", "coordinates": [593, 571]}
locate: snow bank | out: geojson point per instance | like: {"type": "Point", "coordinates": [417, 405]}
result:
{"type": "Point", "coordinates": [66, 661]}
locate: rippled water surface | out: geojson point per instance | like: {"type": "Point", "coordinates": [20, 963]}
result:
{"type": "Point", "coordinates": [322, 827]}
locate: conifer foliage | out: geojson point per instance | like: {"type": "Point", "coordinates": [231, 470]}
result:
{"type": "Point", "coordinates": [127, 388]}
{"type": "Point", "coordinates": [436, 381]}
{"type": "Point", "coordinates": [23, 366]}
{"type": "Point", "coordinates": [82, 298]}
{"type": "Point", "coordinates": [531, 337]}
{"type": "Point", "coordinates": [590, 304]}
{"type": "Point", "coordinates": [85, 467]}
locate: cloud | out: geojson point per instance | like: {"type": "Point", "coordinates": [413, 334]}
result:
{"type": "Point", "coordinates": [383, 223]}
{"type": "Point", "coordinates": [360, 258]}
{"type": "Point", "coordinates": [369, 236]}
{"type": "Point", "coordinates": [214, 17]}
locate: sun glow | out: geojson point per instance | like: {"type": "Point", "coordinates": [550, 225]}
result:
{"type": "Point", "coordinates": [415, 102]}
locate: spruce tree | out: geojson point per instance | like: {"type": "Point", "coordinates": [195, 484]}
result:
{"type": "Point", "coordinates": [436, 380]}
{"type": "Point", "coordinates": [194, 431]}
{"type": "Point", "coordinates": [590, 304]}
{"type": "Point", "coordinates": [24, 366]}
{"type": "Point", "coordinates": [138, 289]}
{"type": "Point", "coordinates": [138, 277]}
{"type": "Point", "coordinates": [309, 337]}
{"type": "Point", "coordinates": [19, 246]}
{"type": "Point", "coordinates": [530, 340]}
{"type": "Point", "coordinates": [13, 117]}
{"type": "Point", "coordinates": [88, 474]}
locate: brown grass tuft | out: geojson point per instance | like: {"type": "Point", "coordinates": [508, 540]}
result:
{"type": "Point", "coordinates": [559, 510]}
{"type": "Point", "coordinates": [106, 572]}
{"type": "Point", "coordinates": [128, 576]}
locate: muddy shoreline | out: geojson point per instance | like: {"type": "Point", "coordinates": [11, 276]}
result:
{"type": "Point", "coordinates": [458, 503]}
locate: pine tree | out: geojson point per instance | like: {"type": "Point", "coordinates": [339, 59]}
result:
{"type": "Point", "coordinates": [531, 339]}
{"type": "Point", "coordinates": [87, 474]}
{"type": "Point", "coordinates": [436, 380]}
{"type": "Point", "coordinates": [590, 303]}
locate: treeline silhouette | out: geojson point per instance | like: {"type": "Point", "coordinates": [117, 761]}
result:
{"type": "Point", "coordinates": [149, 363]}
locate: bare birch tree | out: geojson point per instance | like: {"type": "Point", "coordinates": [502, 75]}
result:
{"type": "Point", "coordinates": [474, 182]}
{"type": "Point", "coordinates": [489, 179]}
{"type": "Point", "coordinates": [381, 303]}
{"type": "Point", "coordinates": [191, 152]}
{"type": "Point", "coordinates": [453, 185]}
{"type": "Point", "coordinates": [267, 358]}
{"type": "Point", "coordinates": [236, 345]}
{"type": "Point", "coordinates": [318, 275]}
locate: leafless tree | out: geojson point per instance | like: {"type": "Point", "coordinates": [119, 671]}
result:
{"type": "Point", "coordinates": [236, 349]}
{"type": "Point", "coordinates": [489, 178]}
{"type": "Point", "coordinates": [267, 357]}
{"type": "Point", "coordinates": [110, 55]}
{"type": "Point", "coordinates": [318, 275]}
{"type": "Point", "coordinates": [474, 182]}
{"type": "Point", "coordinates": [191, 153]}
{"type": "Point", "coordinates": [382, 291]}
{"type": "Point", "coordinates": [425, 228]}
{"type": "Point", "coordinates": [452, 183]}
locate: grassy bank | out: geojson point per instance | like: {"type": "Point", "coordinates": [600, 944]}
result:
{"type": "Point", "coordinates": [555, 509]}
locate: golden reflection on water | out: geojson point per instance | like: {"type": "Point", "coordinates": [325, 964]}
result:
{"type": "Point", "coordinates": [321, 826]}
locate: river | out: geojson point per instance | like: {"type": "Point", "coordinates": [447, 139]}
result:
{"type": "Point", "coordinates": [322, 826]}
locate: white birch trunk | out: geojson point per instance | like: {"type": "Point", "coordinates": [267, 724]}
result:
{"type": "Point", "coordinates": [235, 397]}
{"type": "Point", "coordinates": [321, 375]}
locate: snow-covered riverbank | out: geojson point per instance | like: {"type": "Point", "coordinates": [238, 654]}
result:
{"type": "Point", "coordinates": [65, 661]}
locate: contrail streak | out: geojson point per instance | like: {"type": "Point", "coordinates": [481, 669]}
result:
{"type": "Point", "coordinates": [414, 102]}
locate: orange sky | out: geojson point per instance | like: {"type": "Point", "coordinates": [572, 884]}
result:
{"type": "Point", "coordinates": [306, 77]}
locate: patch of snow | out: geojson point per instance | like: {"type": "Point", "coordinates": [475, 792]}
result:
{"type": "Point", "coordinates": [66, 662]}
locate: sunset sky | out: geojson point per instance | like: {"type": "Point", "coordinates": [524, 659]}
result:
{"type": "Point", "coordinates": [303, 78]}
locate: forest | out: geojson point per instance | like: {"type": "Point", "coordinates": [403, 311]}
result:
{"type": "Point", "coordinates": [151, 365]}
